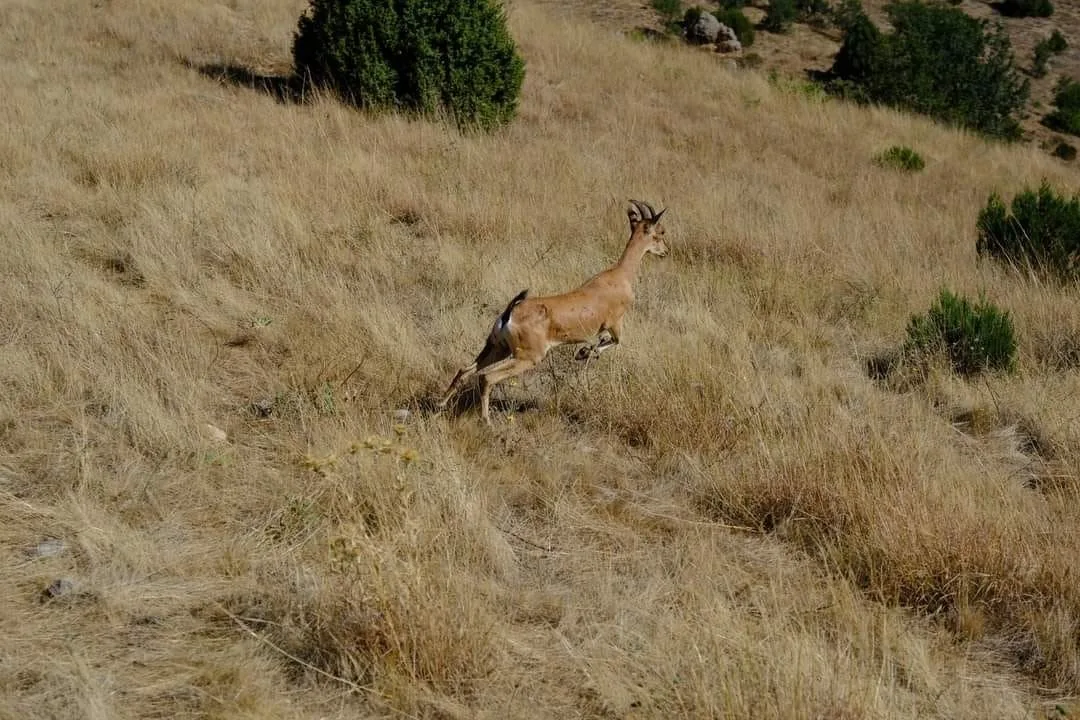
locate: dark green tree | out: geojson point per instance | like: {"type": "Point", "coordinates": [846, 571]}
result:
{"type": "Point", "coordinates": [938, 61]}
{"type": "Point", "coordinates": [420, 55]}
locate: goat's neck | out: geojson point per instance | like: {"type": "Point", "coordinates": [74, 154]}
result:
{"type": "Point", "coordinates": [636, 248]}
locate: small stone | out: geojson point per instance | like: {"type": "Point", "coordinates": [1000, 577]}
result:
{"type": "Point", "coordinates": [213, 432]}
{"type": "Point", "coordinates": [401, 414]}
{"type": "Point", "coordinates": [729, 46]}
{"type": "Point", "coordinates": [263, 407]}
{"type": "Point", "coordinates": [61, 587]}
{"type": "Point", "coordinates": [50, 548]}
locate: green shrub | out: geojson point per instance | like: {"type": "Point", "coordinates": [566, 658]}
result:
{"type": "Point", "coordinates": [1040, 57]}
{"type": "Point", "coordinates": [1045, 48]}
{"type": "Point", "coordinates": [861, 57]}
{"type": "Point", "coordinates": [1057, 42]}
{"type": "Point", "coordinates": [1066, 116]}
{"type": "Point", "coordinates": [900, 157]}
{"type": "Point", "coordinates": [420, 55]}
{"type": "Point", "coordinates": [1065, 151]}
{"type": "Point", "coordinates": [813, 11]}
{"type": "Point", "coordinates": [780, 15]}
{"type": "Point", "coordinates": [1026, 8]}
{"type": "Point", "coordinates": [732, 4]}
{"type": "Point", "coordinates": [1042, 232]}
{"type": "Point", "coordinates": [974, 338]}
{"type": "Point", "coordinates": [809, 90]}
{"type": "Point", "coordinates": [670, 12]}
{"type": "Point", "coordinates": [937, 61]}
{"type": "Point", "coordinates": [737, 21]}
{"type": "Point", "coordinates": [691, 16]}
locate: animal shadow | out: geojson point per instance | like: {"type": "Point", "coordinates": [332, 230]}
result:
{"type": "Point", "coordinates": [283, 88]}
{"type": "Point", "coordinates": [467, 400]}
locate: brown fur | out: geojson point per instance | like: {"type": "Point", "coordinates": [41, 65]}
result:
{"type": "Point", "coordinates": [530, 327]}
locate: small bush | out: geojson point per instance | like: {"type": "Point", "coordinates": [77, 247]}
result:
{"type": "Point", "coordinates": [974, 338]}
{"type": "Point", "coordinates": [899, 157]}
{"type": "Point", "coordinates": [1042, 232]}
{"type": "Point", "coordinates": [690, 17]}
{"type": "Point", "coordinates": [737, 21]}
{"type": "Point", "coordinates": [861, 57]}
{"type": "Point", "coordinates": [1044, 49]}
{"type": "Point", "coordinates": [1066, 116]}
{"type": "Point", "coordinates": [813, 11]}
{"type": "Point", "coordinates": [1026, 8]}
{"type": "Point", "coordinates": [420, 55]}
{"type": "Point", "coordinates": [807, 89]}
{"type": "Point", "coordinates": [732, 4]}
{"type": "Point", "coordinates": [938, 61]}
{"type": "Point", "coordinates": [1057, 42]}
{"type": "Point", "coordinates": [1065, 151]}
{"type": "Point", "coordinates": [670, 12]}
{"type": "Point", "coordinates": [1040, 58]}
{"type": "Point", "coordinates": [780, 15]}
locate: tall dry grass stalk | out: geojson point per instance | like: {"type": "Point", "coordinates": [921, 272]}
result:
{"type": "Point", "coordinates": [725, 517]}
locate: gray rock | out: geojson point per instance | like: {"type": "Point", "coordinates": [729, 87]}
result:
{"type": "Point", "coordinates": [729, 46]}
{"type": "Point", "coordinates": [401, 414]}
{"type": "Point", "coordinates": [704, 30]}
{"type": "Point", "coordinates": [60, 588]}
{"type": "Point", "coordinates": [263, 407]}
{"type": "Point", "coordinates": [726, 33]}
{"type": "Point", "coordinates": [49, 548]}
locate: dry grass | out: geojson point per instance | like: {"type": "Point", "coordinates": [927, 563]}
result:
{"type": "Point", "coordinates": [725, 517]}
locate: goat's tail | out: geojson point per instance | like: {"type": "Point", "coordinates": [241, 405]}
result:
{"type": "Point", "coordinates": [504, 319]}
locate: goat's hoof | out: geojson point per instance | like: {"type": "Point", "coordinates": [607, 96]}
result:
{"type": "Point", "coordinates": [585, 353]}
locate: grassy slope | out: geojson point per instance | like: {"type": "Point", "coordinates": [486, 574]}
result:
{"type": "Point", "coordinates": [724, 517]}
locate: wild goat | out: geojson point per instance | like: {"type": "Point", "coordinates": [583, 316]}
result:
{"type": "Point", "coordinates": [529, 327]}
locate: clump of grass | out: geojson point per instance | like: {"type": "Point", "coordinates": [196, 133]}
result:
{"type": "Point", "coordinates": [804, 88]}
{"type": "Point", "coordinates": [975, 337]}
{"type": "Point", "coordinates": [901, 157]}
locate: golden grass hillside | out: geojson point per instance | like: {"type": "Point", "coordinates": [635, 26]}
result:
{"type": "Point", "coordinates": [214, 302]}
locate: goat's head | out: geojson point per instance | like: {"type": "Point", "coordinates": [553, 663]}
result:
{"type": "Point", "coordinates": [643, 216]}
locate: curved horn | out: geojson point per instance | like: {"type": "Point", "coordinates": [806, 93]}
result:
{"type": "Point", "coordinates": [652, 213]}
{"type": "Point", "coordinates": [643, 209]}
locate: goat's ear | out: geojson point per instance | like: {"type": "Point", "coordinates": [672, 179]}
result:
{"type": "Point", "coordinates": [657, 216]}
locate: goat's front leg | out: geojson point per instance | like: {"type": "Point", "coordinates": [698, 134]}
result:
{"type": "Point", "coordinates": [590, 352]}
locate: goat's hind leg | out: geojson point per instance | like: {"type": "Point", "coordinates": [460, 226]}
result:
{"type": "Point", "coordinates": [462, 375]}
{"type": "Point", "coordinates": [493, 353]}
{"type": "Point", "coordinates": [496, 373]}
